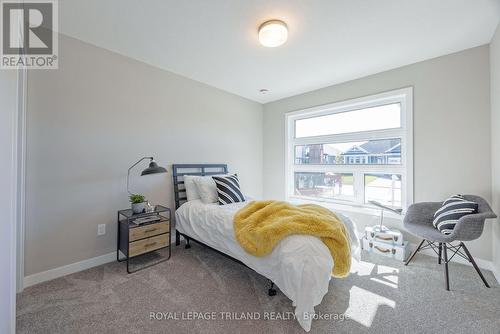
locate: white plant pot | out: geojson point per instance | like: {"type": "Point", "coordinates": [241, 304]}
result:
{"type": "Point", "coordinates": [138, 207]}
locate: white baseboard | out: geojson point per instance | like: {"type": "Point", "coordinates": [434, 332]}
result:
{"type": "Point", "coordinates": [496, 272]}
{"type": "Point", "coordinates": [68, 269]}
{"type": "Point", "coordinates": [483, 264]}
{"type": "Point", "coordinates": [73, 268]}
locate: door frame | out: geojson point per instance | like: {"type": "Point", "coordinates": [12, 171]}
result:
{"type": "Point", "coordinates": [22, 85]}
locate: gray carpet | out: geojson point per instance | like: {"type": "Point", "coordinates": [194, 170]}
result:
{"type": "Point", "coordinates": [380, 296]}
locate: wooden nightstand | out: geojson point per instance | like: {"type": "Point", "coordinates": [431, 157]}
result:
{"type": "Point", "coordinates": [136, 240]}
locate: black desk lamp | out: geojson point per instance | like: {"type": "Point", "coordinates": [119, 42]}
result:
{"type": "Point", "coordinates": [153, 168]}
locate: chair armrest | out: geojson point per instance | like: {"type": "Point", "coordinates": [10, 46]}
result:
{"type": "Point", "coordinates": [421, 213]}
{"type": "Point", "coordinates": [470, 227]}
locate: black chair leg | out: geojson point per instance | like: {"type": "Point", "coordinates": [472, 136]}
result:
{"type": "Point", "coordinates": [471, 259]}
{"type": "Point", "coordinates": [446, 277]}
{"type": "Point", "coordinates": [414, 252]}
{"type": "Point", "coordinates": [272, 292]}
{"type": "Point", "coordinates": [177, 238]}
{"type": "Point", "coordinates": [440, 252]}
{"type": "Point", "coordinates": [187, 243]}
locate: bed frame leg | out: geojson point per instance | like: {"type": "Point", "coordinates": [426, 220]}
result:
{"type": "Point", "coordinates": [177, 238]}
{"type": "Point", "coordinates": [271, 292]}
{"type": "Point", "coordinates": [187, 243]}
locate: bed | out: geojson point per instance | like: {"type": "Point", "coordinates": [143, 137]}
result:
{"type": "Point", "coordinates": [300, 266]}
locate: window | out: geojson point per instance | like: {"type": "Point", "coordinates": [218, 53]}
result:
{"type": "Point", "coordinates": [370, 152]}
{"type": "Point", "coordinates": [353, 152]}
{"type": "Point", "coordinates": [324, 185]}
{"type": "Point", "coordinates": [366, 119]}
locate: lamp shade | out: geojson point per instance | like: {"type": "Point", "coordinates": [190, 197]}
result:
{"type": "Point", "coordinates": [153, 169]}
{"type": "Point", "coordinates": [273, 33]}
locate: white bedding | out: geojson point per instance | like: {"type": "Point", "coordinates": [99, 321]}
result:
{"type": "Point", "coordinates": [300, 265]}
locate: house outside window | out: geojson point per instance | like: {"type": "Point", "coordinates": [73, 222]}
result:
{"type": "Point", "coordinates": [353, 152]}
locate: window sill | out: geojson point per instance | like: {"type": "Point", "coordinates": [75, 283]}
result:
{"type": "Point", "coordinates": [346, 207]}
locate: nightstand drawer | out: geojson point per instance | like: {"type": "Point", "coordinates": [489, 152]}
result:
{"type": "Point", "coordinates": [147, 231]}
{"type": "Point", "coordinates": [148, 245]}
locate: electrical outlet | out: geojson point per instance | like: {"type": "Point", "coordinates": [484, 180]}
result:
{"type": "Point", "coordinates": [101, 229]}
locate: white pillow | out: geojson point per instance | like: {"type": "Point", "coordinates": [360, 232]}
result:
{"type": "Point", "coordinates": [191, 189]}
{"type": "Point", "coordinates": [207, 190]}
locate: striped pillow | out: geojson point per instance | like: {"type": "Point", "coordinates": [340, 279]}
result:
{"type": "Point", "coordinates": [228, 189]}
{"type": "Point", "coordinates": [454, 208]}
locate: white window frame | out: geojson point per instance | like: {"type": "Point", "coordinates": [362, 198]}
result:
{"type": "Point", "coordinates": [403, 96]}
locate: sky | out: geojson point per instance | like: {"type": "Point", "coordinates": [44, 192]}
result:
{"type": "Point", "coordinates": [376, 118]}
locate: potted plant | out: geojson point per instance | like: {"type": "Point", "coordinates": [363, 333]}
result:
{"type": "Point", "coordinates": [138, 203]}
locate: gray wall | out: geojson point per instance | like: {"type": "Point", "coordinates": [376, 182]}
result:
{"type": "Point", "coordinates": [83, 134]}
{"type": "Point", "coordinates": [8, 112]}
{"type": "Point", "coordinates": [495, 140]}
{"type": "Point", "coordinates": [451, 128]}
{"type": "Point", "coordinates": [98, 114]}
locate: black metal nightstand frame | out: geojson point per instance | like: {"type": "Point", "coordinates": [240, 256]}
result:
{"type": "Point", "coordinates": [129, 216]}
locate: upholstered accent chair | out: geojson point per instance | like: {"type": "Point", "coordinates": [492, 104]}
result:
{"type": "Point", "coordinates": [418, 221]}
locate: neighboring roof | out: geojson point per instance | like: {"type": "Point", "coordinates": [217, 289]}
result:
{"type": "Point", "coordinates": [376, 147]}
{"type": "Point", "coordinates": [395, 149]}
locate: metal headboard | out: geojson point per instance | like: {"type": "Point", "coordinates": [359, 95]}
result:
{"type": "Point", "coordinates": [179, 170]}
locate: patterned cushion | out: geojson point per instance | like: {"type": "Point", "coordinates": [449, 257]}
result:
{"type": "Point", "coordinates": [228, 189]}
{"type": "Point", "coordinates": [451, 211]}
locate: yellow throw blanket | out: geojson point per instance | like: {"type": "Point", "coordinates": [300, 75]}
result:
{"type": "Point", "coordinates": [260, 225]}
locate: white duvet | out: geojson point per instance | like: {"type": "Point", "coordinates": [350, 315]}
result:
{"type": "Point", "coordinates": [300, 265]}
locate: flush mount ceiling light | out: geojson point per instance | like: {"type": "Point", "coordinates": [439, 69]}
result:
{"type": "Point", "coordinates": [273, 33]}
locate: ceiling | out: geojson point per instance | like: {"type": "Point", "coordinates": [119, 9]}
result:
{"type": "Point", "coordinates": [330, 41]}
